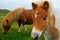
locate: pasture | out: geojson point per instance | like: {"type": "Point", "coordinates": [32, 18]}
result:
{"type": "Point", "coordinates": [13, 33]}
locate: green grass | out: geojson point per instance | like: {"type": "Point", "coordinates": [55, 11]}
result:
{"type": "Point", "coordinates": [13, 33]}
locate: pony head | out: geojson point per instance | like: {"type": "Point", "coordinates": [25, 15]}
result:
{"type": "Point", "coordinates": [5, 24]}
{"type": "Point", "coordinates": [40, 14]}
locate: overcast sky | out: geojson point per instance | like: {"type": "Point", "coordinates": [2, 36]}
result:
{"type": "Point", "coordinates": [13, 4]}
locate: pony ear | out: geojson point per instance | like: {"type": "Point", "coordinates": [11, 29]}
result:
{"type": "Point", "coordinates": [34, 6]}
{"type": "Point", "coordinates": [46, 5]}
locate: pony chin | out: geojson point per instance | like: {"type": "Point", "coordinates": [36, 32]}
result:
{"type": "Point", "coordinates": [35, 33]}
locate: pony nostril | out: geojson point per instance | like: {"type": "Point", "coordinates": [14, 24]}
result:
{"type": "Point", "coordinates": [36, 38]}
{"type": "Point", "coordinates": [44, 18]}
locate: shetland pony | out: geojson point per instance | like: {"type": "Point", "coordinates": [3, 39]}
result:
{"type": "Point", "coordinates": [43, 22]}
{"type": "Point", "coordinates": [10, 18]}
{"type": "Point", "coordinates": [20, 15]}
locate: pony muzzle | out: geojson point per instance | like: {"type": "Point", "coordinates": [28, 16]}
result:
{"type": "Point", "coordinates": [35, 34]}
{"type": "Point", "coordinates": [4, 33]}
{"type": "Point", "coordinates": [36, 38]}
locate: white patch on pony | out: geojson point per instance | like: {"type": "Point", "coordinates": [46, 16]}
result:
{"type": "Point", "coordinates": [36, 14]}
{"type": "Point", "coordinates": [25, 19]}
{"type": "Point", "coordinates": [35, 32]}
{"type": "Point", "coordinates": [25, 28]}
{"type": "Point", "coordinates": [20, 28]}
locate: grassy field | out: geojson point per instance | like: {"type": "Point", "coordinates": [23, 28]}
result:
{"type": "Point", "coordinates": [13, 33]}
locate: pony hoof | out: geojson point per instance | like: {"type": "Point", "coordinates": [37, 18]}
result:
{"type": "Point", "coordinates": [26, 30]}
{"type": "Point", "coordinates": [18, 30]}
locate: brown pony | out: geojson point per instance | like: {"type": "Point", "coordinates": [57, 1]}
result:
{"type": "Point", "coordinates": [20, 15]}
{"type": "Point", "coordinates": [41, 21]}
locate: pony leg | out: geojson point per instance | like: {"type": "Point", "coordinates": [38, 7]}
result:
{"type": "Point", "coordinates": [25, 28]}
{"type": "Point", "coordinates": [19, 29]}
{"type": "Point", "coordinates": [19, 26]}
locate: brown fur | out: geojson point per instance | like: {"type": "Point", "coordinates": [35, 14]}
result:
{"type": "Point", "coordinates": [10, 18]}
{"type": "Point", "coordinates": [42, 14]}
{"type": "Point", "coordinates": [43, 19]}
{"type": "Point", "coordinates": [54, 33]}
{"type": "Point", "coordinates": [27, 14]}
{"type": "Point", "coordinates": [18, 15]}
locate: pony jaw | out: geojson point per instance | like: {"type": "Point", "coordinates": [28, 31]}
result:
{"type": "Point", "coordinates": [35, 32]}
